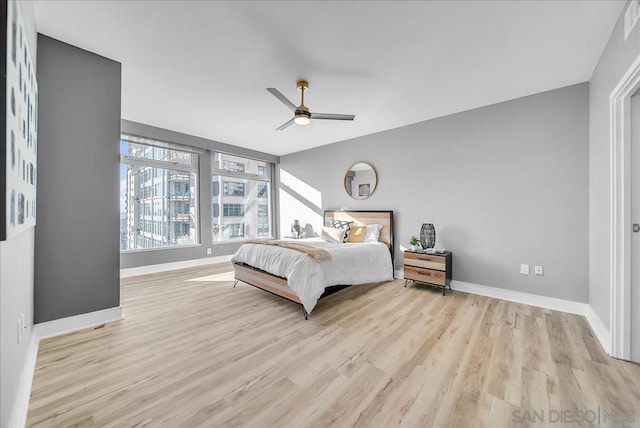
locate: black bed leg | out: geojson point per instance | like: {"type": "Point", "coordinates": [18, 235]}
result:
{"type": "Point", "coordinates": [235, 283]}
{"type": "Point", "coordinates": [306, 314]}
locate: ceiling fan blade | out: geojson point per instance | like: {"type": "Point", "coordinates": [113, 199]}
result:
{"type": "Point", "coordinates": [276, 93]}
{"type": "Point", "coordinates": [285, 125]}
{"type": "Point", "coordinates": [330, 116]}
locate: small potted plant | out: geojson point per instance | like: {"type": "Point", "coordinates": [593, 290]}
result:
{"type": "Point", "coordinates": [301, 232]}
{"type": "Point", "coordinates": [415, 243]}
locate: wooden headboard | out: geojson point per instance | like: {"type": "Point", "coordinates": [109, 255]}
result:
{"type": "Point", "coordinates": [385, 218]}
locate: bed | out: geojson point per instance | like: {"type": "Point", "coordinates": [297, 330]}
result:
{"type": "Point", "coordinates": [294, 276]}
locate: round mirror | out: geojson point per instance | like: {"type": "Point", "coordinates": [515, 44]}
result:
{"type": "Point", "coordinates": [360, 180]}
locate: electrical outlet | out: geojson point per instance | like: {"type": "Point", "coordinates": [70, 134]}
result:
{"type": "Point", "coordinates": [208, 251]}
{"type": "Point", "coordinates": [539, 270]}
{"type": "Point", "coordinates": [524, 269]}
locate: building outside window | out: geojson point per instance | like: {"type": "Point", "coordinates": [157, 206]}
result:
{"type": "Point", "coordinates": [263, 220]}
{"type": "Point", "coordinates": [232, 166]}
{"type": "Point", "coordinates": [238, 185]}
{"type": "Point", "coordinates": [234, 230]}
{"type": "Point", "coordinates": [233, 188]}
{"type": "Point", "coordinates": [233, 210]}
{"type": "Point", "coordinates": [158, 194]}
{"type": "Point", "coordinates": [263, 190]}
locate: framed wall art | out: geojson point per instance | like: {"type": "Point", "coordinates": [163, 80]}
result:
{"type": "Point", "coordinates": [19, 151]}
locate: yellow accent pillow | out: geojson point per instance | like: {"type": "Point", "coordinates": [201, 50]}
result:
{"type": "Point", "coordinates": [357, 233]}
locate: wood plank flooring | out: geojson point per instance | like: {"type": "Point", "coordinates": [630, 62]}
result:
{"type": "Point", "coordinates": [194, 351]}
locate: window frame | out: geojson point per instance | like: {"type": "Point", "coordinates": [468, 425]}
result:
{"type": "Point", "coordinates": [192, 168]}
{"type": "Point", "coordinates": [267, 177]}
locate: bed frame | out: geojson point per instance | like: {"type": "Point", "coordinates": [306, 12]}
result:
{"type": "Point", "coordinates": [280, 287]}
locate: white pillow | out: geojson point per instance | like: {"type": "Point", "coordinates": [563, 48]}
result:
{"type": "Point", "coordinates": [331, 234]}
{"type": "Point", "coordinates": [372, 234]}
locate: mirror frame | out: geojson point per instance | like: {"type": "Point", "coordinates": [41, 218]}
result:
{"type": "Point", "coordinates": [344, 181]}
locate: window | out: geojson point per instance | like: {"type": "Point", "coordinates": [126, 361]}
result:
{"type": "Point", "coordinates": [234, 230]}
{"type": "Point", "coordinates": [263, 190]}
{"type": "Point", "coordinates": [158, 197]}
{"type": "Point", "coordinates": [233, 210]}
{"type": "Point", "coordinates": [232, 166]}
{"type": "Point", "coordinates": [263, 220]}
{"type": "Point", "coordinates": [238, 185]}
{"type": "Point", "coordinates": [233, 188]}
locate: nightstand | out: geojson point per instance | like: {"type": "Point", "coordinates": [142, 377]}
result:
{"type": "Point", "coordinates": [432, 269]}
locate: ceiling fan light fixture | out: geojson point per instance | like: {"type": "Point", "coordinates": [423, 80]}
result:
{"type": "Point", "coordinates": [302, 118]}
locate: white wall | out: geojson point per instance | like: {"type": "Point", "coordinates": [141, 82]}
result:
{"type": "Point", "coordinates": [614, 62]}
{"type": "Point", "coordinates": [16, 284]}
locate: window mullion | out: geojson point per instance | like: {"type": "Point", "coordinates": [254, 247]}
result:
{"type": "Point", "coordinates": [156, 163]}
{"type": "Point", "coordinates": [242, 175]}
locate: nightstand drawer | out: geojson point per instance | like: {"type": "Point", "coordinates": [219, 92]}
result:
{"type": "Point", "coordinates": [425, 260]}
{"type": "Point", "coordinates": [425, 275]}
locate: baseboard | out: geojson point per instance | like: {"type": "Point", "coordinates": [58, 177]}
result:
{"type": "Point", "coordinates": [599, 329]}
{"type": "Point", "coordinates": [78, 322]}
{"type": "Point", "coordinates": [584, 309]}
{"type": "Point", "coordinates": [51, 329]}
{"type": "Point", "coordinates": [163, 267]}
{"type": "Point", "coordinates": [21, 405]}
{"type": "Point", "coordinates": [521, 297]}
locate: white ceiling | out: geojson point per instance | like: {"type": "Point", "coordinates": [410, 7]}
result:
{"type": "Point", "coordinates": [202, 68]}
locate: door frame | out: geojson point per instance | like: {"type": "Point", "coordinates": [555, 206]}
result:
{"type": "Point", "coordinates": [620, 211]}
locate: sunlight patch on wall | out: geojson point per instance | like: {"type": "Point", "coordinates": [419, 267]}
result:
{"type": "Point", "coordinates": [309, 193]}
{"type": "Point", "coordinates": [299, 201]}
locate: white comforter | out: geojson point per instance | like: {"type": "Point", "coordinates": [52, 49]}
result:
{"type": "Point", "coordinates": [350, 264]}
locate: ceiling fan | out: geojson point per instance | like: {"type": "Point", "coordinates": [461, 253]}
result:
{"type": "Point", "coordinates": [302, 115]}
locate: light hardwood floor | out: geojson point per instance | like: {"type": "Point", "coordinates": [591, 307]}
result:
{"type": "Point", "coordinates": [194, 351]}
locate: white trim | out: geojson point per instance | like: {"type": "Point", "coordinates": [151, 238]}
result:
{"type": "Point", "coordinates": [520, 297]}
{"type": "Point", "coordinates": [620, 211]}
{"type": "Point", "coordinates": [516, 296]}
{"type": "Point", "coordinates": [18, 417]}
{"type": "Point", "coordinates": [545, 302]}
{"type": "Point", "coordinates": [163, 267]}
{"type": "Point", "coordinates": [78, 322]}
{"type": "Point", "coordinates": [45, 330]}
{"type": "Point", "coordinates": [599, 329]}
{"type": "Point", "coordinates": [168, 247]}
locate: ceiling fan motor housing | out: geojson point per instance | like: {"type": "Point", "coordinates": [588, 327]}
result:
{"type": "Point", "coordinates": [302, 85]}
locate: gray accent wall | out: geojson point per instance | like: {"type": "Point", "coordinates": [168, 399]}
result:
{"type": "Point", "coordinates": [616, 59]}
{"type": "Point", "coordinates": [136, 258]}
{"type": "Point", "coordinates": [504, 184]}
{"type": "Point", "coordinates": [77, 245]}
{"type": "Point", "coordinates": [16, 284]}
